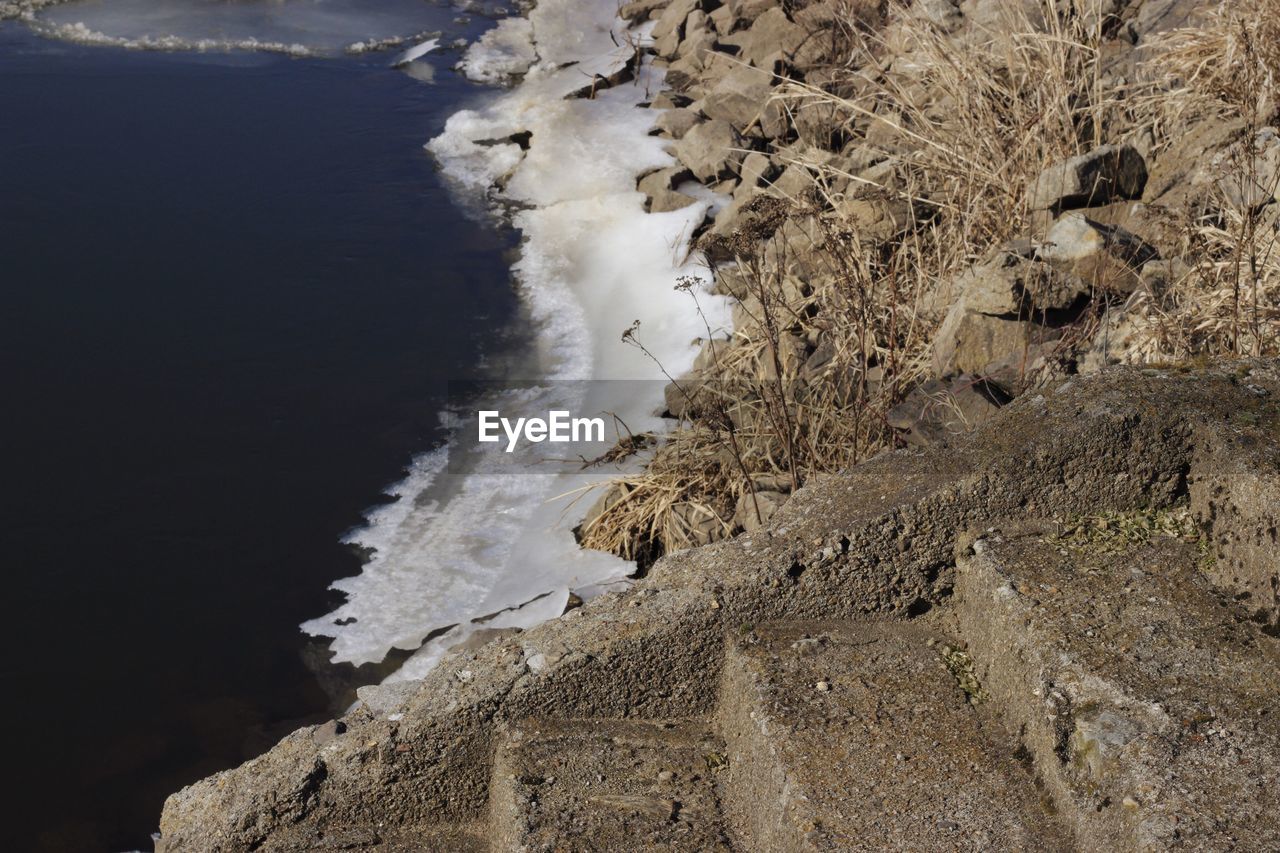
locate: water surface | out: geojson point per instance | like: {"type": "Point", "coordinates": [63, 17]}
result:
{"type": "Point", "coordinates": [232, 292]}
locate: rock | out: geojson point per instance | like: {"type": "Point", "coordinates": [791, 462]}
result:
{"type": "Point", "coordinates": [938, 411]}
{"type": "Point", "coordinates": [968, 340]}
{"type": "Point", "coordinates": [1105, 173]}
{"type": "Point", "coordinates": [744, 12]}
{"type": "Point", "coordinates": [739, 96]}
{"type": "Point", "coordinates": [1106, 258]}
{"type": "Point", "coordinates": [792, 183]}
{"type": "Point", "coordinates": [695, 525]}
{"type": "Point", "coordinates": [709, 149]}
{"type": "Point", "coordinates": [669, 100]}
{"type": "Point", "coordinates": [772, 32]}
{"type": "Point", "coordinates": [943, 14]}
{"type": "Point", "coordinates": [482, 637]}
{"type": "Point", "coordinates": [1249, 177]}
{"type": "Point", "coordinates": [613, 493]}
{"type": "Point", "coordinates": [876, 218]}
{"type": "Point", "coordinates": [639, 11]}
{"type": "Point", "coordinates": [1178, 172]}
{"type": "Point", "coordinates": [659, 187]}
{"type": "Point", "coordinates": [768, 503]}
{"type": "Point", "coordinates": [1009, 283]}
{"type": "Point", "coordinates": [671, 21]}
{"type": "Point", "coordinates": [756, 169]}
{"type": "Point", "coordinates": [676, 123]}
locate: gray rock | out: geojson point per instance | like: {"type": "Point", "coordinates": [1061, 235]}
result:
{"type": "Point", "coordinates": [766, 502]}
{"type": "Point", "coordinates": [772, 32]}
{"type": "Point", "coordinates": [1105, 173]}
{"type": "Point", "coordinates": [1106, 258]}
{"type": "Point", "coordinates": [710, 150]}
{"type": "Point", "coordinates": [1010, 283]}
{"type": "Point", "coordinates": [676, 123]}
{"type": "Point", "coordinates": [939, 411]}
{"type": "Point", "coordinates": [739, 96]}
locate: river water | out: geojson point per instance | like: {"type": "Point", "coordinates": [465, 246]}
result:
{"type": "Point", "coordinates": [234, 289]}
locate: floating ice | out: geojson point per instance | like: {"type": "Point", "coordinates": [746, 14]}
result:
{"type": "Point", "coordinates": [299, 27]}
{"type": "Point", "coordinates": [458, 544]}
{"type": "Point", "coordinates": [416, 52]}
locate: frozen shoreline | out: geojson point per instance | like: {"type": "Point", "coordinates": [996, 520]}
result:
{"type": "Point", "coordinates": [455, 548]}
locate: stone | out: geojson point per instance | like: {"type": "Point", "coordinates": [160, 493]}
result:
{"type": "Point", "coordinates": [676, 123]}
{"type": "Point", "coordinates": [1105, 258]}
{"type": "Point", "coordinates": [876, 218]}
{"type": "Point", "coordinates": [326, 732]}
{"type": "Point", "coordinates": [1179, 172]}
{"type": "Point", "coordinates": [967, 341]}
{"type": "Point", "coordinates": [1010, 283]}
{"type": "Point", "coordinates": [694, 525]}
{"type": "Point", "coordinates": [639, 11]}
{"type": "Point", "coordinates": [739, 96]}
{"type": "Point", "coordinates": [710, 149]}
{"type": "Point", "coordinates": [768, 502]}
{"type": "Point", "coordinates": [659, 188]}
{"type": "Point", "coordinates": [772, 32]}
{"type": "Point", "coordinates": [671, 21]}
{"type": "Point", "coordinates": [1105, 173]}
{"type": "Point", "coordinates": [939, 411]}
{"type": "Point", "coordinates": [1249, 174]}
{"type": "Point", "coordinates": [756, 169]}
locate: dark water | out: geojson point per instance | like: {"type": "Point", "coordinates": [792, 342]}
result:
{"type": "Point", "coordinates": [232, 290]}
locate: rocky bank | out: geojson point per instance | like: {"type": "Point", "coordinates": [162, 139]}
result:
{"type": "Point", "coordinates": [1041, 613]}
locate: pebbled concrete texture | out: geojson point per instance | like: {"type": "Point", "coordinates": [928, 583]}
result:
{"type": "Point", "coordinates": [876, 543]}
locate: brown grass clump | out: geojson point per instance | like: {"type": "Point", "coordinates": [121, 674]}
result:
{"type": "Point", "coordinates": [1227, 301]}
{"type": "Point", "coordinates": [840, 289]}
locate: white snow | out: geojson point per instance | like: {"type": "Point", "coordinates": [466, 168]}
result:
{"type": "Point", "coordinates": [465, 539]}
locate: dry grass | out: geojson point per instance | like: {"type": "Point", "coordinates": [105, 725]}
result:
{"type": "Point", "coordinates": [841, 288]}
{"type": "Point", "coordinates": [1228, 301]}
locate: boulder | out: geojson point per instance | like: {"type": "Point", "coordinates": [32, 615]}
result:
{"type": "Point", "coordinates": [739, 96]}
{"type": "Point", "coordinates": [1010, 283]}
{"type": "Point", "coordinates": [967, 341]}
{"type": "Point", "coordinates": [940, 410]}
{"type": "Point", "coordinates": [639, 11]}
{"type": "Point", "coordinates": [672, 19]}
{"type": "Point", "coordinates": [710, 149]}
{"type": "Point", "coordinates": [1248, 175]}
{"type": "Point", "coordinates": [692, 525]}
{"type": "Point", "coordinates": [756, 169]}
{"type": "Point", "coordinates": [876, 218]}
{"type": "Point", "coordinates": [1106, 258]}
{"type": "Point", "coordinates": [1105, 173]}
{"type": "Point", "coordinates": [660, 185]}
{"type": "Point", "coordinates": [675, 123]}
{"type": "Point", "coordinates": [772, 32]}
{"type": "Point", "coordinates": [1179, 171]}
{"type": "Point", "coordinates": [754, 510]}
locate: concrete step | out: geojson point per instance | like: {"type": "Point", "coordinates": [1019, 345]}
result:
{"type": "Point", "coordinates": [607, 785]}
{"type": "Point", "coordinates": [845, 736]}
{"type": "Point", "coordinates": [1146, 697]}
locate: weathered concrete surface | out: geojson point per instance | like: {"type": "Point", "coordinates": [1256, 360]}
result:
{"type": "Point", "coordinates": [1146, 696]}
{"type": "Point", "coordinates": [608, 785]}
{"type": "Point", "coordinates": [845, 736]}
{"type": "Point", "coordinates": [877, 542]}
